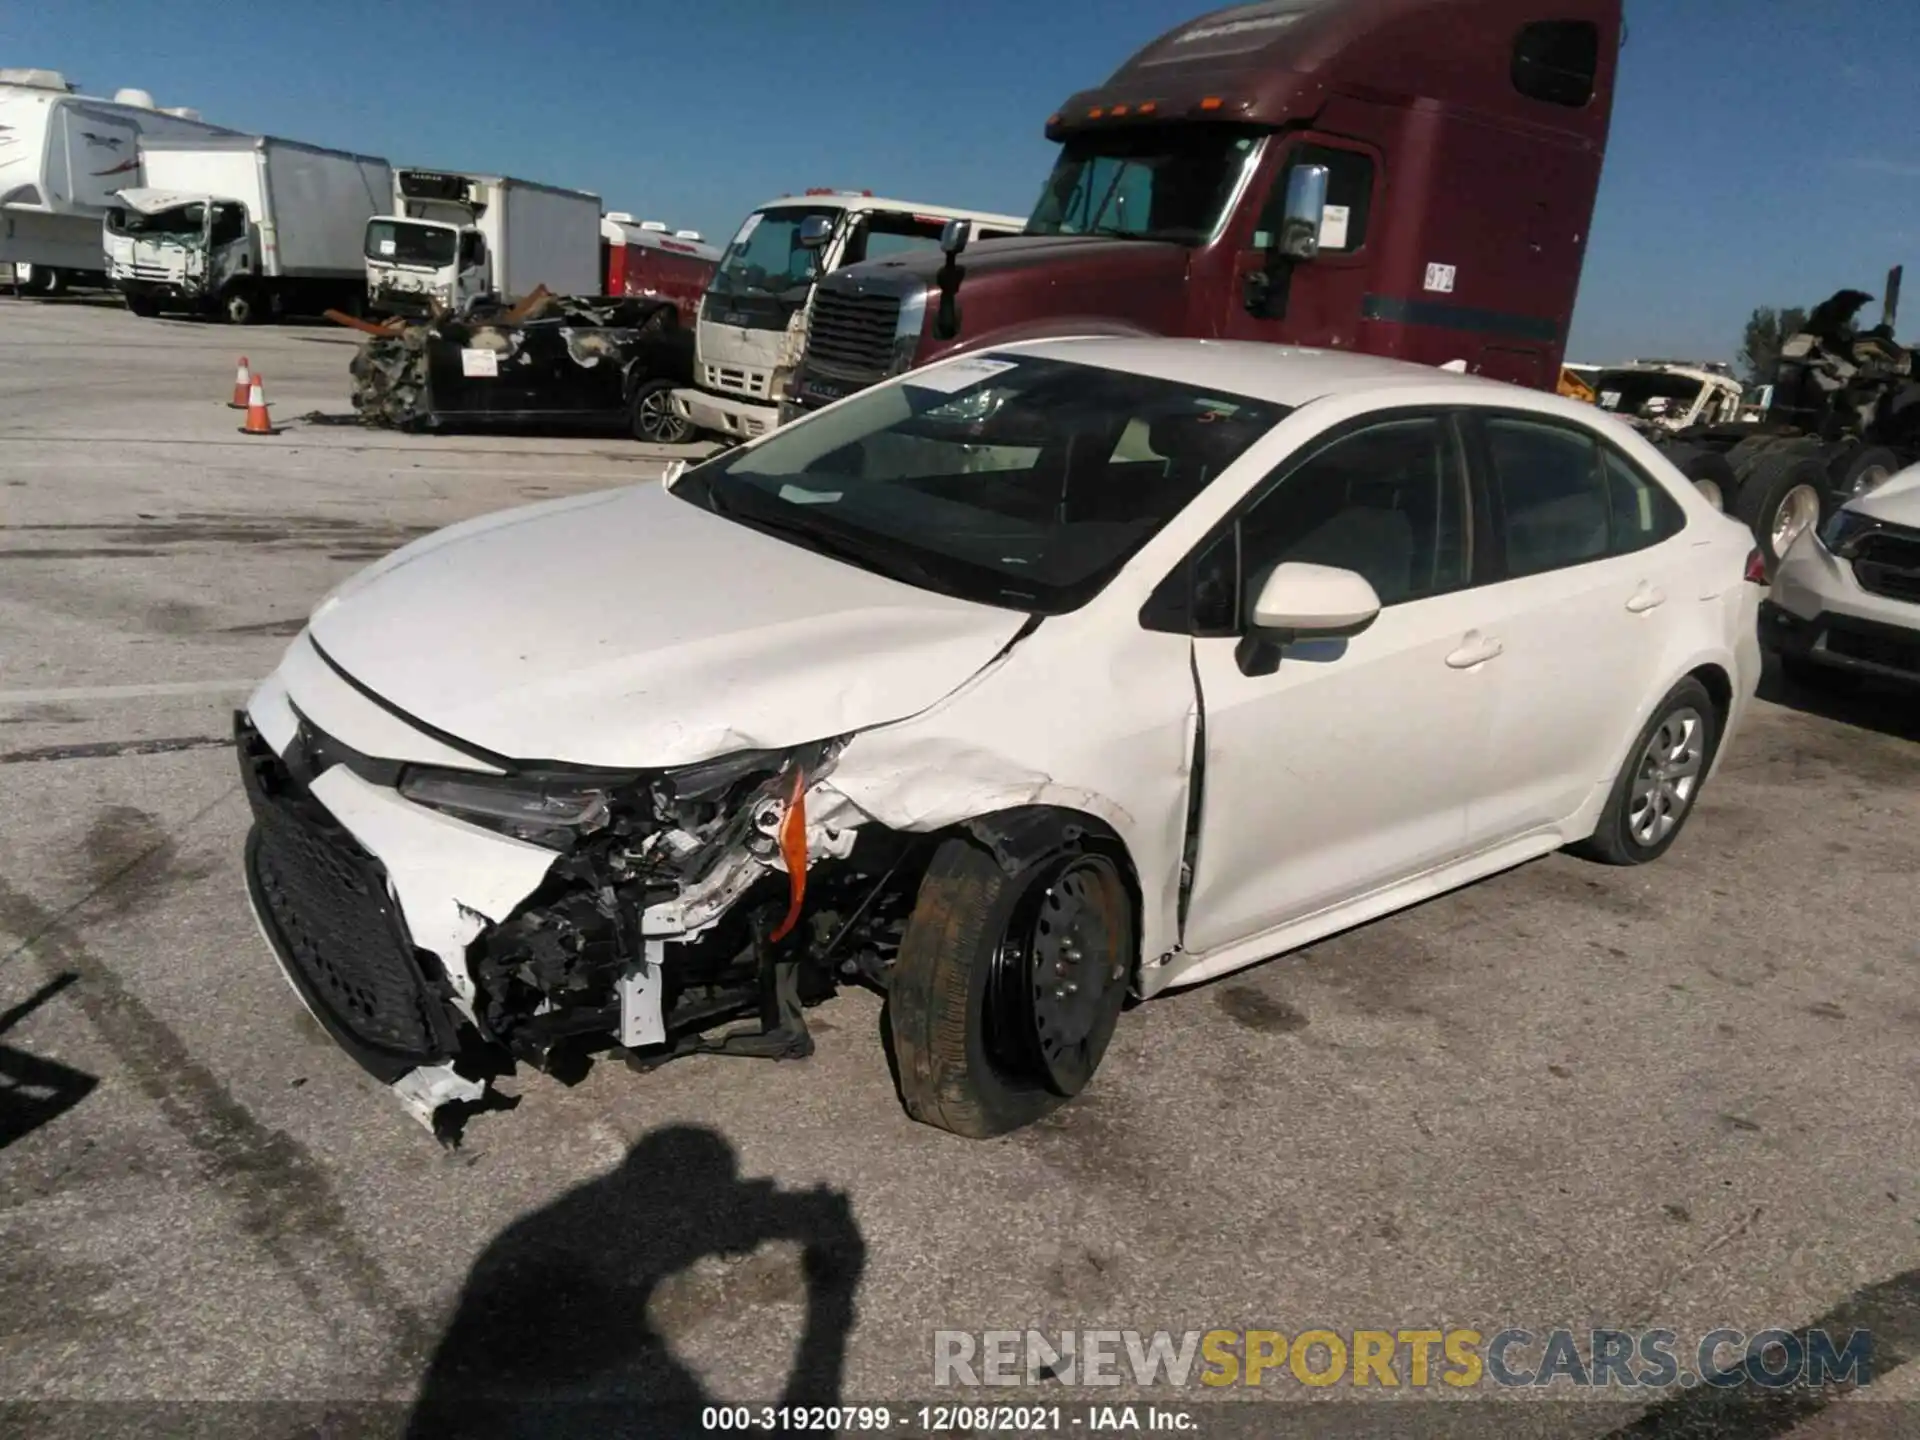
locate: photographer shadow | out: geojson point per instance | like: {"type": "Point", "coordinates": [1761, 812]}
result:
{"type": "Point", "coordinates": [552, 1335]}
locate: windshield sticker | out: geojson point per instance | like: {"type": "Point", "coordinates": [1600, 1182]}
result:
{"type": "Point", "coordinates": [386, 247]}
{"type": "Point", "coordinates": [1333, 227]}
{"type": "Point", "coordinates": [484, 364]}
{"type": "Point", "coordinates": [951, 378]}
{"type": "Point", "coordinates": [794, 495]}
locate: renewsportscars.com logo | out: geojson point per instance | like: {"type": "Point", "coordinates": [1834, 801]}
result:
{"type": "Point", "coordinates": [1455, 1358]}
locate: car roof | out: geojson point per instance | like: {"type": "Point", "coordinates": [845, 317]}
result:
{"type": "Point", "coordinates": [1291, 375]}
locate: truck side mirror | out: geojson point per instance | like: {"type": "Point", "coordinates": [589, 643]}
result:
{"type": "Point", "coordinates": [1306, 208]}
{"type": "Point", "coordinates": [815, 231]}
{"type": "Point", "coordinates": [953, 237]}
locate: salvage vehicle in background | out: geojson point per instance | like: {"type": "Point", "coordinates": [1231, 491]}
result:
{"type": "Point", "coordinates": [454, 240]}
{"type": "Point", "coordinates": [65, 155]}
{"type": "Point", "coordinates": [1845, 604]}
{"type": "Point", "coordinates": [553, 361]}
{"type": "Point", "coordinates": [1661, 398]}
{"type": "Point", "coordinates": [1843, 415]}
{"type": "Point", "coordinates": [1030, 680]}
{"type": "Point", "coordinates": [1409, 178]}
{"type": "Point", "coordinates": [244, 227]}
{"type": "Point", "coordinates": [755, 317]}
{"type": "Point", "coordinates": [641, 259]}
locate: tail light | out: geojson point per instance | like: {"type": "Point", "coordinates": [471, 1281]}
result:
{"type": "Point", "coordinates": [1756, 568]}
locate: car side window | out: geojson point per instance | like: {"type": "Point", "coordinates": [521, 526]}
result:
{"type": "Point", "coordinates": [1640, 512]}
{"type": "Point", "coordinates": [1566, 499]}
{"type": "Point", "coordinates": [1388, 501]}
{"type": "Point", "coordinates": [1553, 499]}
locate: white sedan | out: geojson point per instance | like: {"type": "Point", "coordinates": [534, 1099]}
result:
{"type": "Point", "coordinates": [1032, 679]}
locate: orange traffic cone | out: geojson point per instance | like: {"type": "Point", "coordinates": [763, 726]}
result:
{"type": "Point", "coordinates": [257, 421]}
{"type": "Point", "coordinates": [241, 379]}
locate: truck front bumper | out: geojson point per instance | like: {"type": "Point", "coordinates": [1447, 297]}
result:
{"type": "Point", "coordinates": [725, 415]}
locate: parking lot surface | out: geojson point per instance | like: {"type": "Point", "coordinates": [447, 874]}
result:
{"type": "Point", "coordinates": [1680, 1096]}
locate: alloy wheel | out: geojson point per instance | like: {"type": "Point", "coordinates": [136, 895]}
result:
{"type": "Point", "coordinates": [1668, 777]}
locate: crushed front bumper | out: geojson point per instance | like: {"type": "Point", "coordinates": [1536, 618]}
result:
{"type": "Point", "coordinates": [725, 415]}
{"type": "Point", "coordinates": [1845, 642]}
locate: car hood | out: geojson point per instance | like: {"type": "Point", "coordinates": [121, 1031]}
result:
{"type": "Point", "coordinates": [1897, 501]}
{"type": "Point", "coordinates": [631, 630]}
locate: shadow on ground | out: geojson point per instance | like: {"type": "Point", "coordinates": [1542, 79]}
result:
{"type": "Point", "coordinates": [553, 1335]}
{"type": "Point", "coordinates": [1868, 705]}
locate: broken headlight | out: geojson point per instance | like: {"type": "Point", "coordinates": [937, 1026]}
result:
{"type": "Point", "coordinates": [537, 809]}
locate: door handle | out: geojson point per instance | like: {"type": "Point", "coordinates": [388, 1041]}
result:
{"type": "Point", "coordinates": [1476, 649]}
{"type": "Point", "coordinates": [1646, 598]}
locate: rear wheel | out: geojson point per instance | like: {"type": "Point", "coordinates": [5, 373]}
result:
{"type": "Point", "coordinates": [653, 418]}
{"type": "Point", "coordinates": [1656, 789]}
{"type": "Point", "coordinates": [1008, 987]}
{"type": "Point", "coordinates": [143, 305]}
{"type": "Point", "coordinates": [240, 306]}
{"type": "Point", "coordinates": [1783, 496]}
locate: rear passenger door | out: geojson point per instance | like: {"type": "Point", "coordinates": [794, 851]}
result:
{"type": "Point", "coordinates": [1590, 585]}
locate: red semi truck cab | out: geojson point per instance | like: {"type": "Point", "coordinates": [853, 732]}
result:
{"type": "Point", "coordinates": [1441, 158]}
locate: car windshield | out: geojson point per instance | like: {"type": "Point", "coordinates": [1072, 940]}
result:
{"type": "Point", "coordinates": [1006, 479]}
{"type": "Point", "coordinates": [767, 260]}
{"type": "Point", "coordinates": [182, 222]}
{"type": "Point", "coordinates": [409, 242]}
{"type": "Point", "coordinates": [1168, 183]}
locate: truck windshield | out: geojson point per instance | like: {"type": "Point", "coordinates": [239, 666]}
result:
{"type": "Point", "coordinates": [766, 258]}
{"type": "Point", "coordinates": [1009, 480]}
{"type": "Point", "coordinates": [183, 222]}
{"type": "Point", "coordinates": [1645, 394]}
{"type": "Point", "coordinates": [405, 242]}
{"type": "Point", "coordinates": [1159, 183]}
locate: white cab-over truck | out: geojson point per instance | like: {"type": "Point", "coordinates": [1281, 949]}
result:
{"type": "Point", "coordinates": [243, 227]}
{"type": "Point", "coordinates": [754, 317]}
{"type": "Point", "coordinates": [62, 156]}
{"type": "Point", "coordinates": [456, 238]}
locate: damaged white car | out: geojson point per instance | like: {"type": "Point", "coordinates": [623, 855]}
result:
{"type": "Point", "coordinates": [1028, 681]}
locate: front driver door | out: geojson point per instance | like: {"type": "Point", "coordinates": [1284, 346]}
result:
{"type": "Point", "coordinates": [1307, 302]}
{"type": "Point", "coordinates": [1349, 765]}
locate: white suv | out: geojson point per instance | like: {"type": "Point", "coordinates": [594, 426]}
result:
{"type": "Point", "coordinates": [1846, 601]}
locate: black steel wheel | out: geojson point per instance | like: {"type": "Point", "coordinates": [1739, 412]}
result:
{"type": "Point", "coordinates": [1009, 984]}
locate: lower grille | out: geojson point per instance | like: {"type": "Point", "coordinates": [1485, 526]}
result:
{"type": "Point", "coordinates": [325, 904]}
{"type": "Point", "coordinates": [1888, 563]}
{"type": "Point", "coordinates": [1876, 648]}
{"type": "Point", "coordinates": [851, 337]}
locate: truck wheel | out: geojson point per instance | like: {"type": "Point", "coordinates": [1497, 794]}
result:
{"type": "Point", "coordinates": [144, 306]}
{"type": "Point", "coordinates": [1007, 987]}
{"type": "Point", "coordinates": [240, 306]}
{"type": "Point", "coordinates": [1782, 497]}
{"type": "Point", "coordinates": [1864, 472]}
{"type": "Point", "coordinates": [653, 417]}
{"type": "Point", "coordinates": [1709, 470]}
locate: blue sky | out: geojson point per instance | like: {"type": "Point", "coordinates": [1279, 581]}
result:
{"type": "Point", "coordinates": [1764, 151]}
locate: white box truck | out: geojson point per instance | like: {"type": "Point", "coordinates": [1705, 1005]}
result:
{"type": "Point", "coordinates": [62, 157]}
{"type": "Point", "coordinates": [244, 227]}
{"type": "Point", "coordinates": [455, 238]}
{"type": "Point", "coordinates": [753, 321]}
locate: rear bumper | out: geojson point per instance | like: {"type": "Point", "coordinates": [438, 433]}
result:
{"type": "Point", "coordinates": [725, 415]}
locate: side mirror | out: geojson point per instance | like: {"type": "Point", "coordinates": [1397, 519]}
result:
{"type": "Point", "coordinates": [1306, 209]}
{"type": "Point", "coordinates": [1300, 601]}
{"type": "Point", "coordinates": [815, 231]}
{"type": "Point", "coordinates": [953, 237]}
